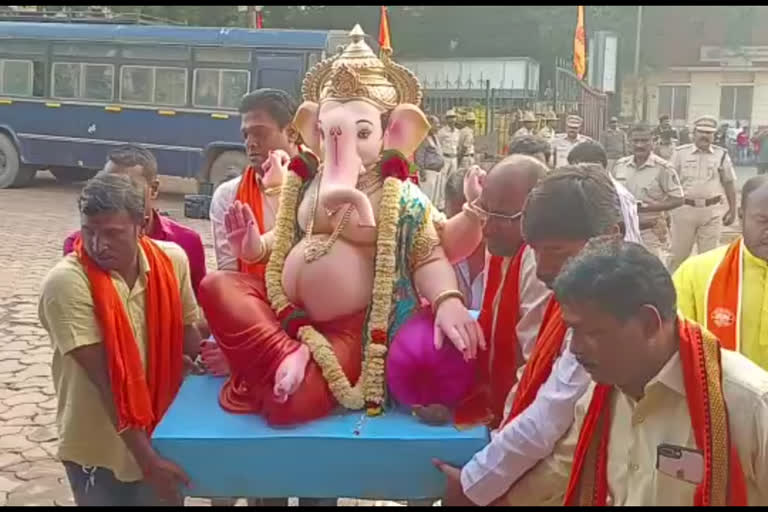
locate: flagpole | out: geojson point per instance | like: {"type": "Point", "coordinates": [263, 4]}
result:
{"type": "Point", "coordinates": [637, 60]}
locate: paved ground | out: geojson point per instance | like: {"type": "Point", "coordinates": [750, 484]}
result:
{"type": "Point", "coordinates": [34, 222]}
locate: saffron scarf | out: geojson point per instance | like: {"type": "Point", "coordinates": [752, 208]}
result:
{"type": "Point", "coordinates": [249, 192]}
{"type": "Point", "coordinates": [141, 398]}
{"type": "Point", "coordinates": [724, 297]}
{"type": "Point", "coordinates": [723, 482]}
{"type": "Point", "coordinates": [539, 367]}
{"type": "Point", "coordinates": [497, 366]}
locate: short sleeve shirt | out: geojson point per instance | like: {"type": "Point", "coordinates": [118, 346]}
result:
{"type": "Point", "coordinates": [87, 435]}
{"type": "Point", "coordinates": [699, 170]}
{"type": "Point", "coordinates": [654, 181]}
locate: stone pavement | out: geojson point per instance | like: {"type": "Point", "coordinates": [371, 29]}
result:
{"type": "Point", "coordinates": [34, 222]}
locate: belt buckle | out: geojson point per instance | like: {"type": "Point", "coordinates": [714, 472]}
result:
{"type": "Point", "coordinates": [699, 203]}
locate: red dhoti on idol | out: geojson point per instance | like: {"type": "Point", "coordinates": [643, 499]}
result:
{"type": "Point", "coordinates": [254, 342]}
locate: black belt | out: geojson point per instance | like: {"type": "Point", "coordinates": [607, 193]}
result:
{"type": "Point", "coordinates": [449, 156]}
{"type": "Point", "coordinates": [700, 203]}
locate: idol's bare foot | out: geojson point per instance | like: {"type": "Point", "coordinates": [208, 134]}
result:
{"type": "Point", "coordinates": [290, 373]}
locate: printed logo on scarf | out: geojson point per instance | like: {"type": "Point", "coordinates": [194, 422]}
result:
{"type": "Point", "coordinates": [722, 317]}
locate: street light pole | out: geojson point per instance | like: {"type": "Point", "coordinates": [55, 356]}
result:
{"type": "Point", "coordinates": [637, 61]}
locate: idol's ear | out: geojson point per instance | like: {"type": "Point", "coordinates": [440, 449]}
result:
{"type": "Point", "coordinates": [406, 130]}
{"type": "Point", "coordinates": [305, 121]}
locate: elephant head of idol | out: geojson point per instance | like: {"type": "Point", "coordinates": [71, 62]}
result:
{"type": "Point", "coordinates": [357, 105]}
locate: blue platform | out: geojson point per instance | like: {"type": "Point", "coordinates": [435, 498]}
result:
{"type": "Point", "coordinates": [228, 455]}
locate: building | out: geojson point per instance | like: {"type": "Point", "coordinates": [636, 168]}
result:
{"type": "Point", "coordinates": [698, 70]}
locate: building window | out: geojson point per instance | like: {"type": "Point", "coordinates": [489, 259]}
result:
{"type": "Point", "coordinates": [673, 101]}
{"type": "Point", "coordinates": [736, 103]}
{"type": "Point", "coordinates": [16, 77]}
{"type": "Point", "coordinates": [148, 84]}
{"type": "Point", "coordinates": [220, 88]}
{"type": "Point", "coordinates": [76, 80]}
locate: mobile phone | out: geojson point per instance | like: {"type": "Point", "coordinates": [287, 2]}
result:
{"type": "Point", "coordinates": [680, 462]}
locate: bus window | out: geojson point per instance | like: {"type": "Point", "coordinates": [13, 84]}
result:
{"type": "Point", "coordinates": [220, 87]}
{"type": "Point", "coordinates": [171, 86]}
{"type": "Point", "coordinates": [74, 80]}
{"type": "Point", "coordinates": [17, 77]}
{"type": "Point", "coordinates": [148, 84]}
{"type": "Point", "coordinates": [23, 47]}
{"type": "Point", "coordinates": [221, 55]}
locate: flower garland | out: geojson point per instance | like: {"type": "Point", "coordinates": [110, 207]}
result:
{"type": "Point", "coordinates": [370, 389]}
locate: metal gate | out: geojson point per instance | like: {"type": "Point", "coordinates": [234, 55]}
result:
{"type": "Point", "coordinates": [574, 96]}
{"type": "Point", "coordinates": [497, 113]}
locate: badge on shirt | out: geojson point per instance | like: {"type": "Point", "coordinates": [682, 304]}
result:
{"type": "Point", "coordinates": [680, 462]}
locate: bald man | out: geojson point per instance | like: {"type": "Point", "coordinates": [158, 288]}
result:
{"type": "Point", "coordinates": [514, 298]}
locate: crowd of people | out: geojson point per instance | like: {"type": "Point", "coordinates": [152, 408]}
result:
{"type": "Point", "coordinates": [619, 373]}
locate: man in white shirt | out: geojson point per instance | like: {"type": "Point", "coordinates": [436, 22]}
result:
{"type": "Point", "coordinates": [267, 126]}
{"type": "Point", "coordinates": [513, 299]}
{"type": "Point", "coordinates": [562, 213]}
{"type": "Point", "coordinates": [591, 152]}
{"type": "Point", "coordinates": [685, 420]}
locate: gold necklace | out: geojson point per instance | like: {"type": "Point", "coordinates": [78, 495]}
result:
{"type": "Point", "coordinates": [314, 249]}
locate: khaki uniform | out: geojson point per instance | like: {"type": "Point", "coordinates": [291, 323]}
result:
{"type": "Point", "coordinates": [522, 132]}
{"type": "Point", "coordinates": [562, 145]}
{"type": "Point", "coordinates": [665, 151]}
{"type": "Point", "coordinates": [547, 133]}
{"type": "Point", "coordinates": [615, 144]}
{"type": "Point", "coordinates": [655, 181]}
{"type": "Point", "coordinates": [449, 142]}
{"type": "Point", "coordinates": [700, 177]}
{"type": "Point", "coordinates": [466, 146]}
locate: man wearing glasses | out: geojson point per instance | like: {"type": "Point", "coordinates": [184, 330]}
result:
{"type": "Point", "coordinates": [514, 298]}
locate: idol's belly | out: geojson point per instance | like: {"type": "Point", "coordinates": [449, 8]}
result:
{"type": "Point", "coordinates": [335, 285]}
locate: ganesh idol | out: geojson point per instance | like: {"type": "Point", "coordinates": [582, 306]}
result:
{"type": "Point", "coordinates": [357, 250]}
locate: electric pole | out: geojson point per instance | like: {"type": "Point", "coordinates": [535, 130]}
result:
{"type": "Point", "coordinates": [637, 61]}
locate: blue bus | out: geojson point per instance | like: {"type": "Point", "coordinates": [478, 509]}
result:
{"type": "Point", "coordinates": [69, 93]}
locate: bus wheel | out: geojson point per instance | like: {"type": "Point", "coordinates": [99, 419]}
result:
{"type": "Point", "coordinates": [12, 172]}
{"type": "Point", "coordinates": [227, 165]}
{"type": "Point", "coordinates": [72, 174]}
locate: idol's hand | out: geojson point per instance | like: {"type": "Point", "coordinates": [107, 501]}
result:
{"type": "Point", "coordinates": [242, 232]}
{"type": "Point", "coordinates": [473, 183]}
{"type": "Point", "coordinates": [454, 321]}
{"type": "Point", "coordinates": [275, 168]}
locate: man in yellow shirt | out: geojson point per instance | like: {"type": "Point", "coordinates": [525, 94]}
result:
{"type": "Point", "coordinates": [686, 422]}
{"type": "Point", "coordinates": [117, 301]}
{"type": "Point", "coordinates": [726, 289]}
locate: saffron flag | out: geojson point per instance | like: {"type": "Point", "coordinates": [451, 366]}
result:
{"type": "Point", "coordinates": [384, 41]}
{"type": "Point", "coordinates": [580, 46]}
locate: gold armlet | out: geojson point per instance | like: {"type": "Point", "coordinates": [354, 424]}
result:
{"type": "Point", "coordinates": [445, 295]}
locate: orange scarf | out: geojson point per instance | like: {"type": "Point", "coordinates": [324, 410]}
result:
{"type": "Point", "coordinates": [724, 297]}
{"type": "Point", "coordinates": [249, 192]}
{"type": "Point", "coordinates": [497, 365]}
{"type": "Point", "coordinates": [539, 366]}
{"type": "Point", "coordinates": [723, 482]}
{"type": "Point", "coordinates": [141, 398]}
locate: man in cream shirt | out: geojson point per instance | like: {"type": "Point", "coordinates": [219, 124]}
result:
{"type": "Point", "coordinates": [621, 304]}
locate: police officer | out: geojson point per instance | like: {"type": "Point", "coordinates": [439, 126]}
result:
{"type": "Point", "coordinates": [466, 150]}
{"type": "Point", "coordinates": [529, 125]}
{"type": "Point", "coordinates": [547, 132]}
{"type": "Point", "coordinates": [449, 142]}
{"type": "Point", "coordinates": [614, 141]}
{"type": "Point", "coordinates": [706, 174]}
{"type": "Point", "coordinates": [655, 184]}
{"type": "Point", "coordinates": [564, 142]}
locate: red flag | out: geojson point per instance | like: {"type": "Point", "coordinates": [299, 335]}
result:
{"type": "Point", "coordinates": [580, 45]}
{"type": "Point", "coordinates": [259, 20]}
{"type": "Point", "coordinates": [384, 40]}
